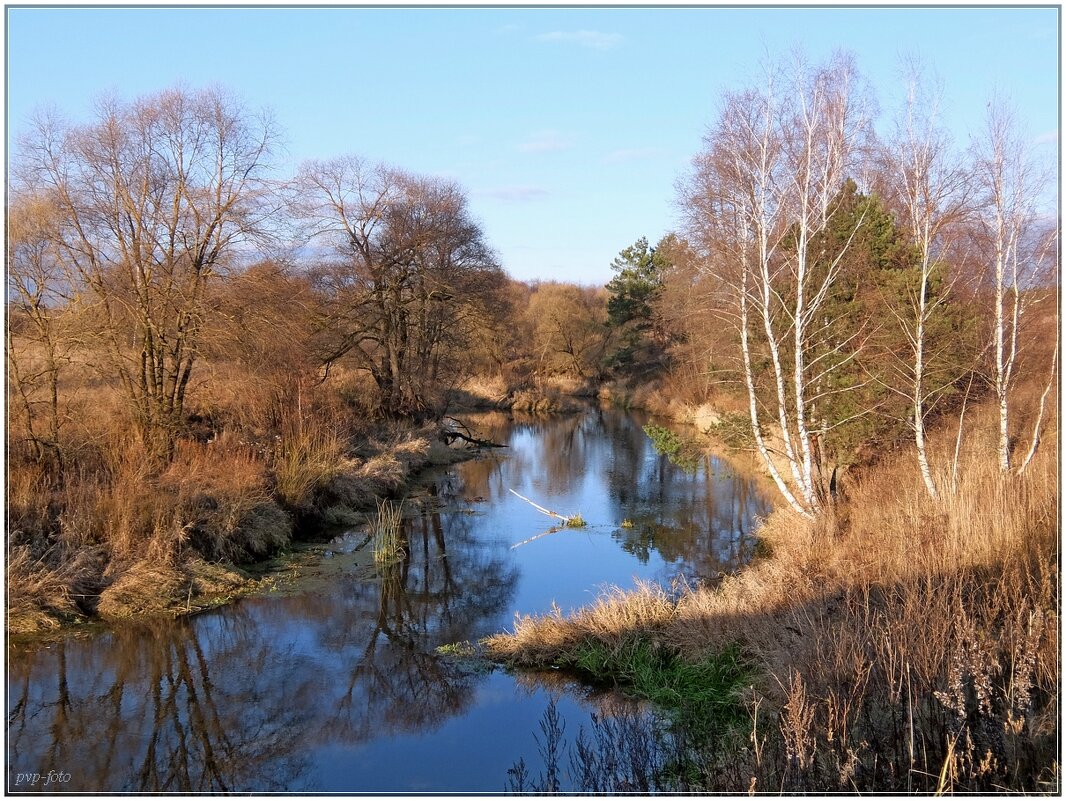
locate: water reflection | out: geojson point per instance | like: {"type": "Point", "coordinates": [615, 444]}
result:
{"type": "Point", "coordinates": [697, 523]}
{"type": "Point", "coordinates": [238, 699]}
{"type": "Point", "coordinates": [339, 686]}
{"type": "Point", "coordinates": [155, 707]}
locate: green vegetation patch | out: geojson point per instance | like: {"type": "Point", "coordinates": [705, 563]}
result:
{"type": "Point", "coordinates": [734, 429]}
{"type": "Point", "coordinates": [684, 454]}
{"type": "Point", "coordinates": [704, 697]}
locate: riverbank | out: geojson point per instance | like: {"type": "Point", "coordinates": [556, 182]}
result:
{"type": "Point", "coordinates": [232, 518]}
{"type": "Point", "coordinates": [901, 645]}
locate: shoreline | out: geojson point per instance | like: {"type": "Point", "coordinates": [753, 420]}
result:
{"type": "Point", "coordinates": [956, 602]}
{"type": "Point", "coordinates": [191, 584]}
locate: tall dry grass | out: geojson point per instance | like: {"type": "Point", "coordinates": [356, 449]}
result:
{"type": "Point", "coordinates": [307, 457]}
{"type": "Point", "coordinates": [904, 644]}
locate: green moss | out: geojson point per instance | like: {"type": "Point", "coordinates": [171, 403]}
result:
{"type": "Point", "coordinates": [458, 649]}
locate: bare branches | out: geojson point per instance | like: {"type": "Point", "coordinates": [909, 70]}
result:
{"type": "Point", "coordinates": [765, 187]}
{"type": "Point", "coordinates": [412, 278]}
{"type": "Point", "coordinates": [153, 198]}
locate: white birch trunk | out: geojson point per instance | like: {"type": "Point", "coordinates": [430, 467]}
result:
{"type": "Point", "coordinates": [919, 388]}
{"type": "Point", "coordinates": [1040, 414]}
{"type": "Point", "coordinates": [753, 407]}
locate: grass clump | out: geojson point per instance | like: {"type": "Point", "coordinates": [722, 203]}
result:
{"type": "Point", "coordinates": [307, 459]}
{"type": "Point", "coordinates": [706, 692]}
{"type": "Point", "coordinates": [388, 539]}
{"type": "Point", "coordinates": [575, 521]}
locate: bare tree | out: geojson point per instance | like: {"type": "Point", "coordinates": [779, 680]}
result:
{"type": "Point", "coordinates": [762, 191]}
{"type": "Point", "coordinates": [37, 344]}
{"type": "Point", "coordinates": [153, 198]}
{"type": "Point", "coordinates": [1010, 186]}
{"type": "Point", "coordinates": [568, 326]}
{"type": "Point", "coordinates": [931, 191]}
{"type": "Point", "coordinates": [414, 277]}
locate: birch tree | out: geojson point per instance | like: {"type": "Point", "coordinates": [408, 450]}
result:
{"type": "Point", "coordinates": [1010, 186]}
{"type": "Point", "coordinates": [931, 193]}
{"type": "Point", "coordinates": [762, 190]}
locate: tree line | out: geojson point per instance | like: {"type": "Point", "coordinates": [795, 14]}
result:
{"type": "Point", "coordinates": [849, 287]}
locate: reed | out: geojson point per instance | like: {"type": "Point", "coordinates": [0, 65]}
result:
{"type": "Point", "coordinates": [388, 533]}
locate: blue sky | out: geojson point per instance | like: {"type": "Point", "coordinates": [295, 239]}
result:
{"type": "Point", "coordinates": [568, 127]}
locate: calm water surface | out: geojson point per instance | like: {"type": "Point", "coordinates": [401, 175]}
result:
{"type": "Point", "coordinates": [336, 684]}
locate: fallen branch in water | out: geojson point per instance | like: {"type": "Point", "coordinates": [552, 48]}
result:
{"type": "Point", "coordinates": [573, 521]}
{"type": "Point", "coordinates": [540, 508]}
{"type": "Point", "coordinates": [450, 435]}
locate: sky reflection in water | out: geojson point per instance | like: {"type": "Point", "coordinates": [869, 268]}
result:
{"type": "Point", "coordinates": [338, 687]}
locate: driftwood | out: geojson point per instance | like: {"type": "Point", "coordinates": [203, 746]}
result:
{"type": "Point", "coordinates": [539, 508]}
{"type": "Point", "coordinates": [450, 435]}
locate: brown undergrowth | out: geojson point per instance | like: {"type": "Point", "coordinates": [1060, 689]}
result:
{"type": "Point", "coordinates": [901, 644]}
{"type": "Point", "coordinates": [118, 532]}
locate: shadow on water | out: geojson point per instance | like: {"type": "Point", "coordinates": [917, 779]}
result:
{"type": "Point", "coordinates": [338, 685]}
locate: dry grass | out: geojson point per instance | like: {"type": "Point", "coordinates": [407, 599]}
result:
{"type": "Point", "coordinates": [307, 459]}
{"type": "Point", "coordinates": [147, 587]}
{"type": "Point", "coordinates": [388, 537]}
{"type": "Point", "coordinates": [903, 644]}
{"type": "Point", "coordinates": [43, 591]}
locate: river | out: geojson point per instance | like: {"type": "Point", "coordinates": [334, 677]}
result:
{"type": "Point", "coordinates": [334, 682]}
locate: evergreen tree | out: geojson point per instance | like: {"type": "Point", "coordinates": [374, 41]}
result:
{"type": "Point", "coordinates": [861, 337]}
{"type": "Point", "coordinates": [631, 317]}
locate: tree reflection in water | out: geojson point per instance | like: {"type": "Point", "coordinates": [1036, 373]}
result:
{"type": "Point", "coordinates": [238, 699]}
{"type": "Point", "coordinates": [155, 707]}
{"type": "Point", "coordinates": [261, 695]}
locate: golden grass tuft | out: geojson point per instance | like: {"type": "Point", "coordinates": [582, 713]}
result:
{"type": "Point", "coordinates": [307, 459]}
{"type": "Point", "coordinates": [388, 533]}
{"type": "Point", "coordinates": [145, 587]}
{"type": "Point", "coordinates": [40, 595]}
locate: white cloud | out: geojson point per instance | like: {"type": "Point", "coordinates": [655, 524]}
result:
{"type": "Point", "coordinates": [546, 142]}
{"type": "Point", "coordinates": [625, 154]}
{"type": "Point", "coordinates": [513, 194]}
{"type": "Point", "coordinates": [596, 40]}
{"type": "Point", "coordinates": [1048, 137]}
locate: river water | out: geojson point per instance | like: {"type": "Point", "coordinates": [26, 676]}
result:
{"type": "Point", "coordinates": [334, 683]}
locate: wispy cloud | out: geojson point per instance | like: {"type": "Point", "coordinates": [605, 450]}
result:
{"type": "Point", "coordinates": [622, 155]}
{"type": "Point", "coordinates": [513, 194]}
{"type": "Point", "coordinates": [596, 40]}
{"type": "Point", "coordinates": [1048, 137]}
{"type": "Point", "coordinates": [546, 142]}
